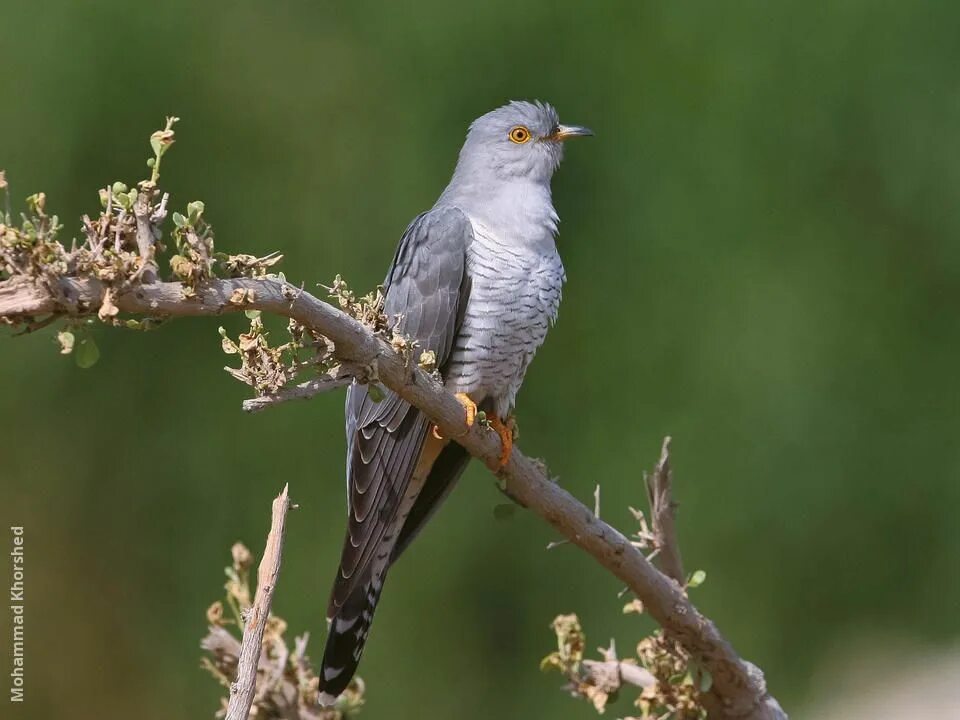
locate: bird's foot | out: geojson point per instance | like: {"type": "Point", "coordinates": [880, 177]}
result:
{"type": "Point", "coordinates": [506, 430]}
{"type": "Point", "coordinates": [469, 407]}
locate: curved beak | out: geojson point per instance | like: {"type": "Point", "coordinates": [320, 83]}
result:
{"type": "Point", "coordinates": [565, 132]}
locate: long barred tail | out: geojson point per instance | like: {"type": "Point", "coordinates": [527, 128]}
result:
{"type": "Point", "coordinates": [348, 632]}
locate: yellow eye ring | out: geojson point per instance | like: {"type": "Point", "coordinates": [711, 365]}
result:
{"type": "Point", "coordinates": [519, 135]}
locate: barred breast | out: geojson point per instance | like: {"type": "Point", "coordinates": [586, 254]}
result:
{"type": "Point", "coordinates": [514, 298]}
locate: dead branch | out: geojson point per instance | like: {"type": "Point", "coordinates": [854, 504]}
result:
{"type": "Point", "coordinates": [244, 687]}
{"type": "Point", "coordinates": [287, 686]}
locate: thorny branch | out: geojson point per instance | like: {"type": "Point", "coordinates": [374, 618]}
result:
{"type": "Point", "coordinates": [662, 512]}
{"type": "Point", "coordinates": [672, 686]}
{"type": "Point", "coordinates": [40, 279]}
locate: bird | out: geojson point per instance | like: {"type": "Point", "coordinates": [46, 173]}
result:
{"type": "Point", "coordinates": [476, 280]}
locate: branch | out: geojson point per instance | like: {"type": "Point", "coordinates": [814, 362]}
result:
{"type": "Point", "coordinates": [243, 689]}
{"type": "Point", "coordinates": [662, 510]}
{"type": "Point", "coordinates": [739, 685]}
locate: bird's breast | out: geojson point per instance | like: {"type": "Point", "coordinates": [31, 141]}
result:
{"type": "Point", "coordinates": [514, 298]}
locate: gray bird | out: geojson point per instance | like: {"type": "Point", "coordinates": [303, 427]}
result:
{"type": "Point", "coordinates": [477, 280]}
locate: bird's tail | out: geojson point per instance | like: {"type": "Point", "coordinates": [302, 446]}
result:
{"type": "Point", "coordinates": [349, 627]}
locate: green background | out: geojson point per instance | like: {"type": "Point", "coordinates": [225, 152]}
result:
{"type": "Point", "coordinates": [761, 245]}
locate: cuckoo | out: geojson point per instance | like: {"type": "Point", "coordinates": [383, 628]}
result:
{"type": "Point", "coordinates": [476, 279]}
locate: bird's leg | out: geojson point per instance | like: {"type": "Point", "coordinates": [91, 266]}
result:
{"type": "Point", "coordinates": [505, 429]}
{"type": "Point", "coordinates": [469, 407]}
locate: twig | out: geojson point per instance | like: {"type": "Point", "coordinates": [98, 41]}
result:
{"type": "Point", "coordinates": [243, 688]}
{"type": "Point", "coordinates": [141, 211]}
{"type": "Point", "coordinates": [612, 672]}
{"type": "Point", "coordinates": [303, 391]}
{"type": "Point", "coordinates": [738, 685]}
{"type": "Point", "coordinates": [662, 516]}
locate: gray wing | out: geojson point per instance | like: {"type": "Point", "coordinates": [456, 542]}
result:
{"type": "Point", "coordinates": [426, 290]}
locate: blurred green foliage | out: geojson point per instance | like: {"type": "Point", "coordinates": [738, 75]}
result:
{"type": "Point", "coordinates": [763, 260]}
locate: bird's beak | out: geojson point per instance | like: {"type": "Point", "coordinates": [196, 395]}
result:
{"type": "Point", "coordinates": [565, 132]}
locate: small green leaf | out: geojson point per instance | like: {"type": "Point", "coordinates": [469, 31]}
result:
{"type": "Point", "coordinates": [504, 511]}
{"type": "Point", "coordinates": [36, 202]}
{"type": "Point", "coordinates": [697, 579]}
{"type": "Point", "coordinates": [156, 144]}
{"type": "Point", "coordinates": [179, 220]}
{"type": "Point", "coordinates": [133, 324]}
{"type": "Point", "coordinates": [86, 353]}
{"type": "Point", "coordinates": [252, 314]}
{"type": "Point", "coordinates": [195, 210]}
{"type": "Point", "coordinates": [119, 188]}
{"type": "Point", "coordinates": [151, 162]}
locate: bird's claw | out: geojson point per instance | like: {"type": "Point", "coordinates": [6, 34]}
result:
{"type": "Point", "coordinates": [469, 407]}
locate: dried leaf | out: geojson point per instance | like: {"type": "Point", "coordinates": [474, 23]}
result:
{"type": "Point", "coordinates": [242, 557]}
{"type": "Point", "coordinates": [108, 308]}
{"type": "Point", "coordinates": [215, 613]}
{"type": "Point", "coordinates": [428, 360]}
{"type": "Point", "coordinates": [66, 340]}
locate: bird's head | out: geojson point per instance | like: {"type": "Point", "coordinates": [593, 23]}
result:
{"type": "Point", "coordinates": [521, 140]}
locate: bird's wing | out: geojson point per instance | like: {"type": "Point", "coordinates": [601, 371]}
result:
{"type": "Point", "coordinates": [446, 470]}
{"type": "Point", "coordinates": [426, 291]}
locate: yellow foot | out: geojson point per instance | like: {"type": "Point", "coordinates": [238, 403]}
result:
{"type": "Point", "coordinates": [469, 407]}
{"type": "Point", "coordinates": [505, 431]}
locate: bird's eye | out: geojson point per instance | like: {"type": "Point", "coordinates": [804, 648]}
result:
{"type": "Point", "coordinates": [519, 135]}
